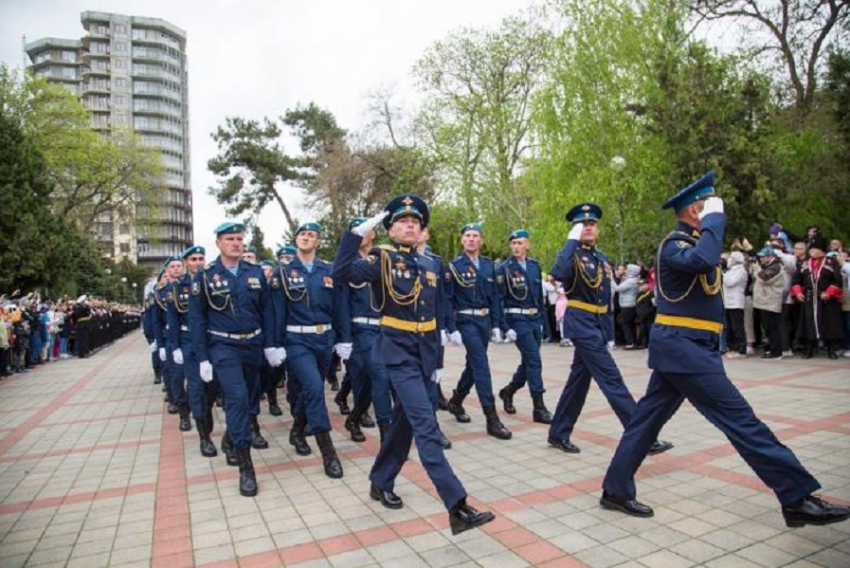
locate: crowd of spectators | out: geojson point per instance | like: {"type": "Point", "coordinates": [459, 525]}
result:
{"type": "Point", "coordinates": [36, 331]}
{"type": "Point", "coordinates": [788, 297]}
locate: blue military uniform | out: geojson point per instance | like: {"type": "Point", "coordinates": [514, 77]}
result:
{"type": "Point", "coordinates": [409, 347]}
{"type": "Point", "coordinates": [150, 336]}
{"type": "Point", "coordinates": [586, 275]}
{"type": "Point", "coordinates": [172, 375]}
{"type": "Point", "coordinates": [520, 286]}
{"type": "Point", "coordinates": [474, 311]}
{"type": "Point", "coordinates": [307, 316]}
{"type": "Point", "coordinates": [686, 363]}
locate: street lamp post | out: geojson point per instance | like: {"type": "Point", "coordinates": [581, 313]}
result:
{"type": "Point", "coordinates": [123, 288]}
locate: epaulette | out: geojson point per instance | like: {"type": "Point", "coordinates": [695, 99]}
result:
{"type": "Point", "coordinates": [384, 247]}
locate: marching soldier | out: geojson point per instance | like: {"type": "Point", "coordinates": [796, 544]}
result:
{"type": "Point", "coordinates": [408, 345]}
{"type": "Point", "coordinates": [519, 280]}
{"type": "Point", "coordinates": [586, 275]}
{"type": "Point", "coordinates": [179, 336]}
{"type": "Point", "coordinates": [305, 296]}
{"type": "Point", "coordinates": [268, 374]}
{"type": "Point", "coordinates": [686, 363]}
{"type": "Point", "coordinates": [474, 316]}
{"type": "Point", "coordinates": [147, 328]}
{"type": "Point", "coordinates": [231, 320]}
{"type": "Point", "coordinates": [175, 389]}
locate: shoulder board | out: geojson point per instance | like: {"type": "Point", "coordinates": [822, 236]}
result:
{"type": "Point", "coordinates": [385, 247]}
{"type": "Point", "coordinates": [683, 244]}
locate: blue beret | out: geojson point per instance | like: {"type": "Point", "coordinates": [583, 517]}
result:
{"type": "Point", "coordinates": [171, 259]}
{"type": "Point", "coordinates": [404, 205]}
{"type": "Point", "coordinates": [268, 262]}
{"type": "Point", "coordinates": [196, 249]}
{"type": "Point", "coordinates": [519, 234]}
{"type": "Point", "coordinates": [697, 190]}
{"type": "Point", "coordinates": [229, 227]}
{"type": "Point", "coordinates": [472, 227]}
{"type": "Point", "coordinates": [250, 249]}
{"type": "Point", "coordinates": [287, 249]}
{"type": "Point", "coordinates": [584, 212]}
{"type": "Point", "coordinates": [311, 226]}
{"type": "Point", "coordinates": [160, 275]}
{"type": "Point", "coordinates": [356, 222]}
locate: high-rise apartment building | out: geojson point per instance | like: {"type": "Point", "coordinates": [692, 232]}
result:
{"type": "Point", "coordinates": [131, 72]}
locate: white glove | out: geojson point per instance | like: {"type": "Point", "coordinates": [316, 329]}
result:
{"type": "Point", "coordinates": [344, 350]}
{"type": "Point", "coordinates": [206, 371]}
{"type": "Point", "coordinates": [275, 355]}
{"type": "Point", "coordinates": [436, 376]}
{"type": "Point", "coordinates": [162, 353]}
{"type": "Point", "coordinates": [575, 232]}
{"type": "Point", "coordinates": [369, 224]}
{"type": "Point", "coordinates": [444, 337]}
{"type": "Point", "coordinates": [456, 338]}
{"type": "Point", "coordinates": [177, 356]}
{"type": "Point", "coordinates": [496, 335]}
{"type": "Point", "coordinates": [611, 344]}
{"type": "Point", "coordinates": [153, 346]}
{"type": "Point", "coordinates": [510, 336]}
{"type": "Point", "coordinates": [712, 205]}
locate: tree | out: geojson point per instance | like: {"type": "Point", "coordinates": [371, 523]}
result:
{"type": "Point", "coordinates": [258, 242]}
{"type": "Point", "coordinates": [476, 118]}
{"type": "Point", "coordinates": [797, 33]}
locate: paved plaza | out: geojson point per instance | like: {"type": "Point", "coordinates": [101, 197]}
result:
{"type": "Point", "coordinates": [93, 472]}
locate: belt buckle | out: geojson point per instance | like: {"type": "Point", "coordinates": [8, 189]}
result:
{"type": "Point", "coordinates": [320, 328]}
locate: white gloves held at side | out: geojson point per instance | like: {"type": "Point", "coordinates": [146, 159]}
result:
{"type": "Point", "coordinates": [162, 353]}
{"type": "Point", "coordinates": [456, 338]}
{"type": "Point", "coordinates": [436, 376]}
{"type": "Point", "coordinates": [177, 356]}
{"type": "Point", "coordinates": [712, 205]}
{"type": "Point", "coordinates": [153, 346]}
{"type": "Point", "coordinates": [369, 224]}
{"type": "Point", "coordinates": [275, 355]}
{"type": "Point", "coordinates": [510, 336]}
{"type": "Point", "coordinates": [496, 335]}
{"type": "Point", "coordinates": [344, 350]}
{"type": "Point", "coordinates": [206, 371]}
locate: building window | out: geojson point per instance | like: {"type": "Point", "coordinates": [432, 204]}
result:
{"type": "Point", "coordinates": [121, 46]}
{"type": "Point", "coordinates": [120, 83]}
{"type": "Point", "coordinates": [120, 29]}
{"type": "Point", "coordinates": [120, 63]}
{"type": "Point", "coordinates": [125, 248]}
{"type": "Point", "coordinates": [69, 56]}
{"type": "Point", "coordinates": [69, 73]}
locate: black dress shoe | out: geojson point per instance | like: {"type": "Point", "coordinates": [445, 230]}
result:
{"type": "Point", "coordinates": [387, 498]}
{"type": "Point", "coordinates": [445, 442]}
{"type": "Point", "coordinates": [463, 517]}
{"type": "Point", "coordinates": [630, 507]}
{"type": "Point", "coordinates": [342, 403]}
{"type": "Point", "coordinates": [813, 511]}
{"type": "Point", "coordinates": [659, 447]}
{"type": "Point", "coordinates": [565, 445]}
{"type": "Point", "coordinates": [172, 408]}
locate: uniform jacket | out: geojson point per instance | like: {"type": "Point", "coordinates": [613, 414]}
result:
{"type": "Point", "coordinates": [585, 273]}
{"type": "Point", "coordinates": [469, 287]}
{"type": "Point", "coordinates": [305, 298]}
{"type": "Point", "coordinates": [178, 312]}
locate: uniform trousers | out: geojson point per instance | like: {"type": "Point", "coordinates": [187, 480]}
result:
{"type": "Point", "coordinates": [237, 370]}
{"type": "Point", "coordinates": [199, 393]}
{"type": "Point", "coordinates": [475, 331]}
{"type": "Point", "coordinates": [592, 360]}
{"type": "Point", "coordinates": [369, 380]}
{"type": "Point", "coordinates": [414, 420]}
{"type": "Point", "coordinates": [528, 340]}
{"type": "Point", "coordinates": [309, 359]}
{"type": "Point", "coordinates": [716, 398]}
{"type": "Point", "coordinates": [172, 375]}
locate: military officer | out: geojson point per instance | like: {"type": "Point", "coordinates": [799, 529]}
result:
{"type": "Point", "coordinates": [147, 326]}
{"type": "Point", "coordinates": [408, 345]}
{"type": "Point", "coordinates": [586, 275]}
{"type": "Point", "coordinates": [179, 343]}
{"type": "Point", "coordinates": [231, 320]}
{"type": "Point", "coordinates": [474, 315]}
{"type": "Point", "coordinates": [178, 402]}
{"type": "Point", "coordinates": [360, 322]}
{"type": "Point", "coordinates": [305, 296]}
{"type": "Point", "coordinates": [686, 364]}
{"type": "Point", "coordinates": [520, 285]}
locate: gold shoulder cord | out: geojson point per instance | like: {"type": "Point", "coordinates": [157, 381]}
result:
{"type": "Point", "coordinates": [511, 288]}
{"type": "Point", "coordinates": [180, 309]}
{"type": "Point", "coordinates": [459, 279]}
{"type": "Point", "coordinates": [387, 278]}
{"type": "Point", "coordinates": [158, 300]}
{"type": "Point", "coordinates": [709, 289]}
{"type": "Point", "coordinates": [228, 301]}
{"type": "Point", "coordinates": [593, 283]}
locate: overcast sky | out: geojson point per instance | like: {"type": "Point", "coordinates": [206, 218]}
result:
{"type": "Point", "coordinates": [254, 58]}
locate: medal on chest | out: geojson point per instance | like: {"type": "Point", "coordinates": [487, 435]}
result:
{"type": "Point", "coordinates": [400, 269]}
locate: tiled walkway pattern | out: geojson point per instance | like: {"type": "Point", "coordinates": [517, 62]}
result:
{"type": "Point", "coordinates": [94, 473]}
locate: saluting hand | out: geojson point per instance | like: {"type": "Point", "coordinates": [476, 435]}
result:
{"type": "Point", "coordinates": [369, 224]}
{"type": "Point", "coordinates": [712, 205]}
{"type": "Point", "coordinates": [575, 232]}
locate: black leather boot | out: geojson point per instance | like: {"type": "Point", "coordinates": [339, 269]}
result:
{"type": "Point", "coordinates": [366, 420]}
{"type": "Point", "coordinates": [333, 467]}
{"type": "Point", "coordinates": [352, 424]}
{"type": "Point", "coordinates": [207, 447]}
{"type": "Point", "coordinates": [257, 440]}
{"type": "Point", "coordinates": [274, 407]}
{"type": "Point", "coordinates": [494, 426]}
{"type": "Point", "coordinates": [541, 413]}
{"type": "Point", "coordinates": [383, 427]}
{"type": "Point", "coordinates": [157, 378]}
{"type": "Point", "coordinates": [297, 437]}
{"type": "Point", "coordinates": [507, 396]}
{"type": "Point", "coordinates": [341, 398]}
{"type": "Point", "coordinates": [185, 423]}
{"type": "Point", "coordinates": [455, 407]}
{"type": "Point", "coordinates": [228, 449]}
{"type": "Point", "coordinates": [247, 477]}
{"type": "Point", "coordinates": [463, 517]}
